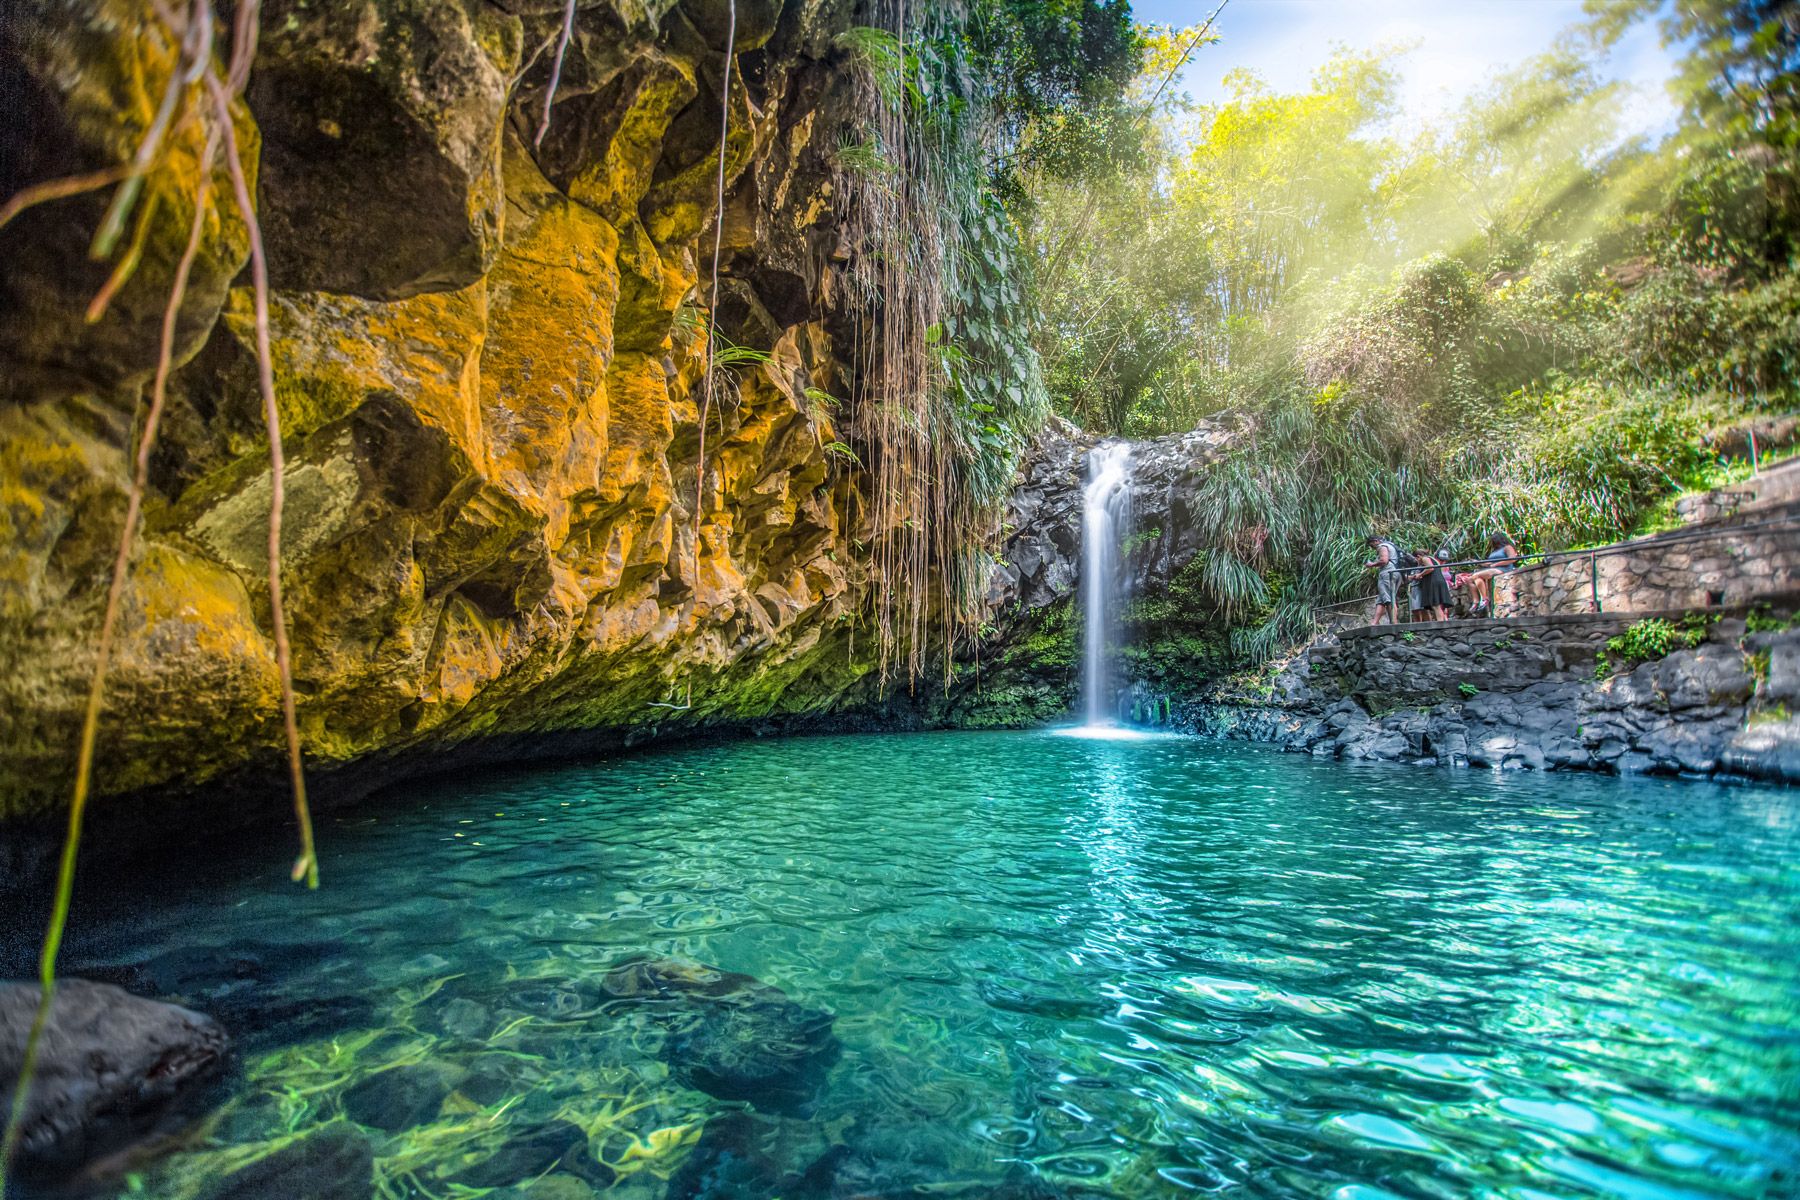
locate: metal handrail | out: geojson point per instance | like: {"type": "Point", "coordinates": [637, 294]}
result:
{"type": "Point", "coordinates": [1548, 558]}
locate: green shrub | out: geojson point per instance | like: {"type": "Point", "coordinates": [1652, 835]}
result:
{"type": "Point", "coordinates": [1761, 620]}
{"type": "Point", "coordinates": [1653, 638]}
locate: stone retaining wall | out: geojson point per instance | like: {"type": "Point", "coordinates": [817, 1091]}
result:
{"type": "Point", "coordinates": [1777, 485]}
{"type": "Point", "coordinates": [1712, 564]}
{"type": "Point", "coordinates": [1430, 661]}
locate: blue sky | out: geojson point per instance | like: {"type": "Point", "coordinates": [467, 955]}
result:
{"type": "Point", "coordinates": [1459, 45]}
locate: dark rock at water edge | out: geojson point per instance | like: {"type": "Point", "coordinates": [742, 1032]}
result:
{"type": "Point", "coordinates": [1528, 693]}
{"type": "Point", "coordinates": [334, 1162]}
{"type": "Point", "coordinates": [263, 993]}
{"type": "Point", "coordinates": [111, 1068]}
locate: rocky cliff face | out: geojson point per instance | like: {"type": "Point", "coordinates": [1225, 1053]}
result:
{"type": "Point", "coordinates": [1534, 692]}
{"type": "Point", "coordinates": [488, 376]}
{"type": "Point", "coordinates": [1023, 671]}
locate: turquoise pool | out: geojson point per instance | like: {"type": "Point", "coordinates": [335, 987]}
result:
{"type": "Point", "coordinates": [1008, 964]}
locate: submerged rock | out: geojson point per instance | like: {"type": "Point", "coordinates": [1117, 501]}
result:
{"type": "Point", "coordinates": [463, 1018]}
{"type": "Point", "coordinates": [551, 1187]}
{"type": "Point", "coordinates": [772, 1053]}
{"type": "Point", "coordinates": [669, 977]}
{"type": "Point", "coordinates": [255, 989]}
{"type": "Point", "coordinates": [733, 1036]}
{"type": "Point", "coordinates": [730, 1162]}
{"type": "Point", "coordinates": [334, 1162]}
{"type": "Point", "coordinates": [110, 1068]}
{"type": "Point", "coordinates": [401, 1097]}
{"type": "Point", "coordinates": [554, 999]}
{"type": "Point", "coordinates": [532, 1152]}
{"type": "Point", "coordinates": [747, 1156]}
{"type": "Point", "coordinates": [493, 1077]}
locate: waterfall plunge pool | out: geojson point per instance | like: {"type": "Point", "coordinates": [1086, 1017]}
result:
{"type": "Point", "coordinates": [1058, 968]}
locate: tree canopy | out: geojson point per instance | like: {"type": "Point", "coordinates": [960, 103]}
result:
{"type": "Point", "coordinates": [1519, 318]}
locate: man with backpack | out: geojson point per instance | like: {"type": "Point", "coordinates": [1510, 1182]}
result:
{"type": "Point", "coordinates": [1386, 565]}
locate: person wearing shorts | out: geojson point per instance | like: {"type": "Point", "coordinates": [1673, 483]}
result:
{"type": "Point", "coordinates": [1505, 559]}
{"type": "Point", "coordinates": [1386, 564]}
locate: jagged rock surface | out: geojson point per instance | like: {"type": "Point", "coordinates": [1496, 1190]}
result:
{"type": "Point", "coordinates": [1523, 693]}
{"type": "Point", "coordinates": [488, 393]}
{"type": "Point", "coordinates": [1041, 556]}
{"type": "Point", "coordinates": [1023, 669]}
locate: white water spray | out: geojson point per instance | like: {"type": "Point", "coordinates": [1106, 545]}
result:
{"type": "Point", "coordinates": [1106, 513]}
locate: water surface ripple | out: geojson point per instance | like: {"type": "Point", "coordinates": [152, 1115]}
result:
{"type": "Point", "coordinates": [1136, 969]}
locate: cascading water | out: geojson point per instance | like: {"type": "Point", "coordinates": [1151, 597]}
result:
{"type": "Point", "coordinates": [1106, 515]}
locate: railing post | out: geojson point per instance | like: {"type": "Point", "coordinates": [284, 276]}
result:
{"type": "Point", "coordinates": [1594, 578]}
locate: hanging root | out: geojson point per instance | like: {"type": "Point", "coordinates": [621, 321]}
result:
{"type": "Point", "coordinates": [90, 724]}
{"type": "Point", "coordinates": [562, 47]}
{"type": "Point", "coordinates": [195, 66]}
{"type": "Point", "coordinates": [712, 323]}
{"type": "Point", "coordinates": [127, 266]}
{"type": "Point", "coordinates": [307, 865]}
{"type": "Point", "coordinates": [195, 53]}
{"type": "Point", "coordinates": [61, 189]}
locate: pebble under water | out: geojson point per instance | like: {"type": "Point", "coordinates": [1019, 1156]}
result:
{"type": "Point", "coordinates": [994, 965]}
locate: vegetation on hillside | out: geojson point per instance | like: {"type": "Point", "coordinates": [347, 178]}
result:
{"type": "Point", "coordinates": [1520, 320]}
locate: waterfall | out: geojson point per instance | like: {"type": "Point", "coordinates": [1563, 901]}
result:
{"type": "Point", "coordinates": [1106, 514]}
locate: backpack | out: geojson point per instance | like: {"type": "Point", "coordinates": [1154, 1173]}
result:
{"type": "Point", "coordinates": [1405, 560]}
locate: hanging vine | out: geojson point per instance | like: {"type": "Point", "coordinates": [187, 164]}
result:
{"type": "Point", "coordinates": [195, 71]}
{"type": "Point", "coordinates": [946, 397]}
{"type": "Point", "coordinates": [707, 391]}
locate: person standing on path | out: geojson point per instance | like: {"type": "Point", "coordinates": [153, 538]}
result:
{"type": "Point", "coordinates": [1386, 564]}
{"type": "Point", "coordinates": [1434, 589]}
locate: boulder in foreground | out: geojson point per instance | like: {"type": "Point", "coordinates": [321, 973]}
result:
{"type": "Point", "coordinates": [112, 1066]}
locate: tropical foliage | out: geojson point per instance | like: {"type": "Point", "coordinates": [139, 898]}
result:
{"type": "Point", "coordinates": [1519, 320]}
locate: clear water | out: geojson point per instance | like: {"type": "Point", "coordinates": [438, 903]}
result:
{"type": "Point", "coordinates": [1059, 967]}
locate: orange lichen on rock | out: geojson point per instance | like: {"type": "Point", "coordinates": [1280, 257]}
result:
{"type": "Point", "coordinates": [487, 387]}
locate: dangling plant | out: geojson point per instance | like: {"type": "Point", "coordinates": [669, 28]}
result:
{"type": "Point", "coordinates": [946, 398]}
{"type": "Point", "coordinates": [194, 75]}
